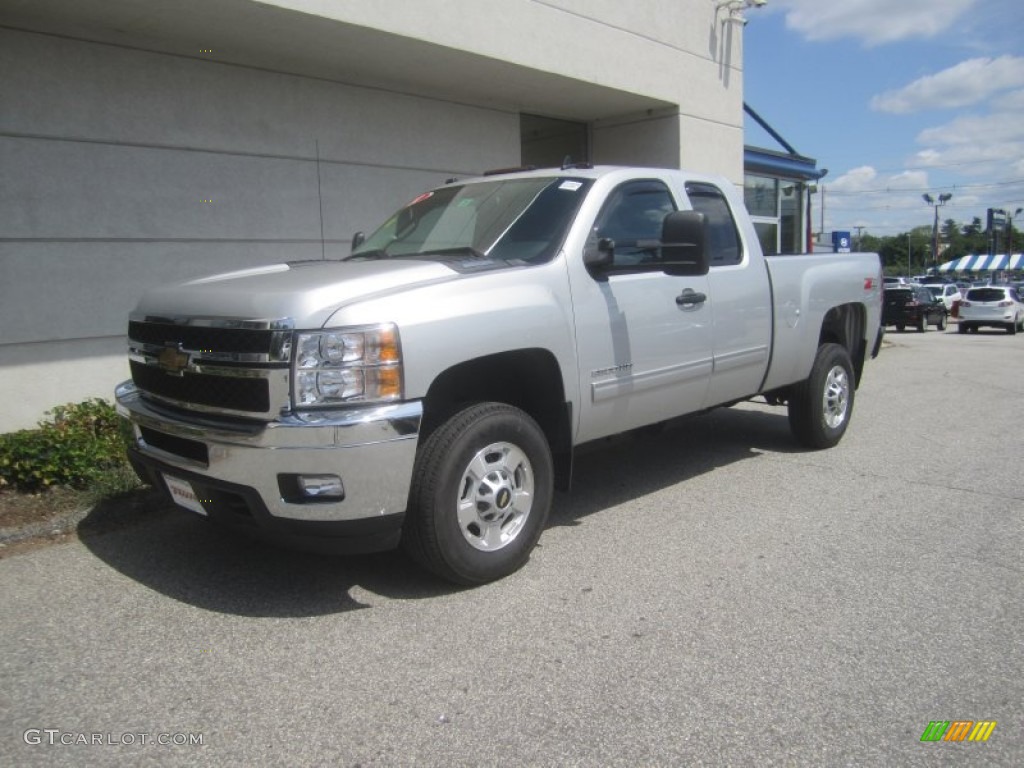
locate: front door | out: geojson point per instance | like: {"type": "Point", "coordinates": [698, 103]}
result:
{"type": "Point", "coordinates": [644, 338]}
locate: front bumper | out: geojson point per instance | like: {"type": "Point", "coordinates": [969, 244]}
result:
{"type": "Point", "coordinates": [235, 468]}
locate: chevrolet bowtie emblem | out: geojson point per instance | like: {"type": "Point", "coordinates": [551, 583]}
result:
{"type": "Point", "coordinates": [172, 360]}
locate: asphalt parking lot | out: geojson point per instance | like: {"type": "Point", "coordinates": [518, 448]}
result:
{"type": "Point", "coordinates": [709, 595]}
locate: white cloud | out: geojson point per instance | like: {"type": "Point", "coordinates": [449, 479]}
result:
{"type": "Point", "coordinates": [1013, 101]}
{"type": "Point", "coordinates": [874, 22]}
{"type": "Point", "coordinates": [970, 82]}
{"type": "Point", "coordinates": [909, 180]}
{"type": "Point", "coordinates": [881, 203]}
{"type": "Point", "coordinates": [991, 129]}
{"type": "Point", "coordinates": [990, 146]}
{"type": "Point", "coordinates": [855, 180]}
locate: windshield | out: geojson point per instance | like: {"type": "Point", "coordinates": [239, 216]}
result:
{"type": "Point", "coordinates": [510, 219]}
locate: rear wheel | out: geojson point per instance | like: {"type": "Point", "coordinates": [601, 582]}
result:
{"type": "Point", "coordinates": [961, 328]}
{"type": "Point", "coordinates": [481, 494]}
{"type": "Point", "coordinates": [1011, 328]}
{"type": "Point", "coordinates": [820, 407]}
{"type": "Point", "coordinates": [900, 327]}
{"type": "Point", "coordinates": [942, 322]}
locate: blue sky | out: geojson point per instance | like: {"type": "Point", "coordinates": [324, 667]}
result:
{"type": "Point", "coordinates": [895, 98]}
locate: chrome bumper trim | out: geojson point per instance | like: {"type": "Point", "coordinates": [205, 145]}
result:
{"type": "Point", "coordinates": [373, 449]}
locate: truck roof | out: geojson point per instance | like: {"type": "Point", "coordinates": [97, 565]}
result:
{"type": "Point", "coordinates": [587, 171]}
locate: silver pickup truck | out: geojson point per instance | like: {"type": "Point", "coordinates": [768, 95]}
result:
{"type": "Point", "coordinates": [431, 388]}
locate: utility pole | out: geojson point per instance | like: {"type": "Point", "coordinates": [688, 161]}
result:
{"type": "Point", "coordinates": [859, 230]}
{"type": "Point", "coordinates": [944, 198]}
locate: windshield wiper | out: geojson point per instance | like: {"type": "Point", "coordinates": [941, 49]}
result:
{"type": "Point", "coordinates": [381, 253]}
{"type": "Point", "coordinates": [378, 253]}
{"type": "Point", "coordinates": [462, 250]}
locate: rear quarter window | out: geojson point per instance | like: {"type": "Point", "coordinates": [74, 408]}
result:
{"type": "Point", "coordinates": [724, 245]}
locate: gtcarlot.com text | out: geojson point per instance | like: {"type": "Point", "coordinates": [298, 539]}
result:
{"type": "Point", "coordinates": [56, 737]}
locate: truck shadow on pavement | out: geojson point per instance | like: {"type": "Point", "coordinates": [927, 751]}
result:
{"type": "Point", "coordinates": [186, 558]}
{"type": "Point", "coordinates": [632, 465]}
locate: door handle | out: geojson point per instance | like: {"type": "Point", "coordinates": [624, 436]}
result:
{"type": "Point", "coordinates": [690, 298]}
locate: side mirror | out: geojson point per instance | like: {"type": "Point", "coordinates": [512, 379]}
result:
{"type": "Point", "coordinates": [683, 250]}
{"type": "Point", "coordinates": [600, 258]}
{"type": "Point", "coordinates": [358, 239]}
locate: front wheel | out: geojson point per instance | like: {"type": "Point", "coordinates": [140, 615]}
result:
{"type": "Point", "coordinates": [481, 494]}
{"type": "Point", "coordinates": [820, 407]}
{"type": "Point", "coordinates": [922, 324]}
{"type": "Point", "coordinates": [942, 322]}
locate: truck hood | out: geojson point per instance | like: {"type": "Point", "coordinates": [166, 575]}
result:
{"type": "Point", "coordinates": [307, 292]}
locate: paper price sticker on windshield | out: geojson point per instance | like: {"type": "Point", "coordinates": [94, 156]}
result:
{"type": "Point", "coordinates": [572, 186]}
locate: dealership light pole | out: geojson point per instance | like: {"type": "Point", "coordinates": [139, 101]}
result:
{"type": "Point", "coordinates": [944, 198]}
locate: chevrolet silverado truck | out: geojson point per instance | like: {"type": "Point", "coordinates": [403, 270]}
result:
{"type": "Point", "coordinates": [430, 389]}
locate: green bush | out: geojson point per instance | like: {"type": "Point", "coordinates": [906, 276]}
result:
{"type": "Point", "coordinates": [79, 446]}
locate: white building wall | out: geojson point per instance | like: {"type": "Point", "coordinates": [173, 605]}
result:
{"type": "Point", "coordinates": [131, 158]}
{"type": "Point", "coordinates": [109, 156]}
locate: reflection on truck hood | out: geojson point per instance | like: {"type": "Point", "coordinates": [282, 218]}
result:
{"type": "Point", "coordinates": [308, 292]}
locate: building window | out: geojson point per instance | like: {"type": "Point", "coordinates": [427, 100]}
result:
{"type": "Point", "coordinates": [776, 206]}
{"type": "Point", "coordinates": [761, 194]}
{"type": "Point", "coordinates": [790, 218]}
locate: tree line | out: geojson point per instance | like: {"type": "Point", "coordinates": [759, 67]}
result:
{"type": "Point", "coordinates": [910, 253]}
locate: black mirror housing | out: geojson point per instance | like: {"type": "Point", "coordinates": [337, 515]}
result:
{"type": "Point", "coordinates": [683, 244]}
{"type": "Point", "coordinates": [600, 258]}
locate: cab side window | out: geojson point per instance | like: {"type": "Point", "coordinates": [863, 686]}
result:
{"type": "Point", "coordinates": [723, 240]}
{"type": "Point", "coordinates": [632, 217]}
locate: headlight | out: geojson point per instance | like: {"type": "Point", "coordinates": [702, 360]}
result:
{"type": "Point", "coordinates": [347, 365]}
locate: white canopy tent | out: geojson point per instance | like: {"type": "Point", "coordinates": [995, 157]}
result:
{"type": "Point", "coordinates": [984, 262]}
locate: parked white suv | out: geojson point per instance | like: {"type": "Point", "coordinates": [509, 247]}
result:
{"type": "Point", "coordinates": [948, 292]}
{"type": "Point", "coordinates": [996, 306]}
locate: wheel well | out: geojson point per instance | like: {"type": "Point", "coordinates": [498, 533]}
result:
{"type": "Point", "coordinates": [844, 325]}
{"type": "Point", "coordinates": [529, 379]}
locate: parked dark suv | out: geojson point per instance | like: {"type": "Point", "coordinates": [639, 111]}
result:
{"type": "Point", "coordinates": [913, 305]}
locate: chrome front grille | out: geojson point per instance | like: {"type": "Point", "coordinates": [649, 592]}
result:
{"type": "Point", "coordinates": [214, 365]}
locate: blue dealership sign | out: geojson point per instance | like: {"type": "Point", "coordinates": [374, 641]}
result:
{"type": "Point", "coordinates": [840, 242]}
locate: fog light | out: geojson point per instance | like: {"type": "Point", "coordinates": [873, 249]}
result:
{"type": "Point", "coordinates": [321, 486]}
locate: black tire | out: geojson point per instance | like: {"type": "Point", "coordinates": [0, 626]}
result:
{"type": "Point", "coordinates": [496, 459]}
{"type": "Point", "coordinates": [961, 328]}
{"type": "Point", "coordinates": [922, 324]}
{"type": "Point", "coordinates": [942, 322]}
{"type": "Point", "coordinates": [900, 327]}
{"type": "Point", "coordinates": [1011, 328]}
{"type": "Point", "coordinates": [821, 406]}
